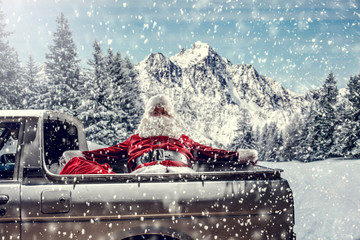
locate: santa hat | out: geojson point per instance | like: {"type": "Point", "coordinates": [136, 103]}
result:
{"type": "Point", "coordinates": [160, 101]}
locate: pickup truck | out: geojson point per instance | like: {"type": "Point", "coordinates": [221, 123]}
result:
{"type": "Point", "coordinates": [218, 201]}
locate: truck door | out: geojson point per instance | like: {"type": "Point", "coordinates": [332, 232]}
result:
{"type": "Point", "coordinates": [45, 205]}
{"type": "Point", "coordinates": [9, 183]}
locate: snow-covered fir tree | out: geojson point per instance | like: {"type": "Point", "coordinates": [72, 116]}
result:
{"type": "Point", "coordinates": [348, 131]}
{"type": "Point", "coordinates": [304, 150]}
{"type": "Point", "coordinates": [93, 110]}
{"type": "Point", "coordinates": [270, 143]}
{"type": "Point", "coordinates": [112, 110]}
{"type": "Point", "coordinates": [293, 137]}
{"type": "Point", "coordinates": [10, 71]}
{"type": "Point", "coordinates": [31, 86]}
{"type": "Point", "coordinates": [353, 141]}
{"type": "Point", "coordinates": [343, 128]}
{"type": "Point", "coordinates": [244, 134]}
{"type": "Point", "coordinates": [62, 71]}
{"type": "Point", "coordinates": [123, 97]}
{"type": "Point", "coordinates": [320, 126]}
{"type": "Point", "coordinates": [30, 73]}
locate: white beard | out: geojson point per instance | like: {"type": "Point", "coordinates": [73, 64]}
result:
{"type": "Point", "coordinates": [159, 126]}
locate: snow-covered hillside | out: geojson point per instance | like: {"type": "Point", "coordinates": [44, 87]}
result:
{"type": "Point", "coordinates": [327, 198]}
{"type": "Point", "coordinates": [208, 88]}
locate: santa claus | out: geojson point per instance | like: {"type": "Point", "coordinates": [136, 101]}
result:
{"type": "Point", "coordinates": [158, 146]}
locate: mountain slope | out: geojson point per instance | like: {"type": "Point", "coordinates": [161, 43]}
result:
{"type": "Point", "coordinates": [210, 93]}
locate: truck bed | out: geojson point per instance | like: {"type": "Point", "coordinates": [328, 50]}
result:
{"type": "Point", "coordinates": [247, 172]}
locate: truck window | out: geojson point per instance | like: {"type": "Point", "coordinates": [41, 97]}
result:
{"type": "Point", "coordinates": [59, 136]}
{"type": "Point", "coordinates": [9, 133]}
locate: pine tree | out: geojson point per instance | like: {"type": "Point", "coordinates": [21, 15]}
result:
{"type": "Point", "coordinates": [279, 146]}
{"type": "Point", "coordinates": [124, 97]}
{"type": "Point", "coordinates": [303, 151]}
{"type": "Point", "coordinates": [271, 143]}
{"type": "Point", "coordinates": [244, 136]}
{"type": "Point", "coordinates": [257, 138]}
{"type": "Point", "coordinates": [320, 126]}
{"type": "Point", "coordinates": [112, 109]}
{"type": "Point", "coordinates": [100, 71]}
{"type": "Point", "coordinates": [63, 71]}
{"type": "Point", "coordinates": [10, 71]}
{"type": "Point", "coordinates": [262, 142]}
{"type": "Point", "coordinates": [348, 132]}
{"type": "Point", "coordinates": [31, 86]}
{"type": "Point", "coordinates": [343, 129]}
{"type": "Point", "coordinates": [92, 110]}
{"type": "Point", "coordinates": [31, 71]}
{"type": "Point", "coordinates": [293, 138]}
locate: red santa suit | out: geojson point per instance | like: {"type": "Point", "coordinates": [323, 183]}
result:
{"type": "Point", "coordinates": [157, 135]}
{"type": "Point", "coordinates": [136, 146]}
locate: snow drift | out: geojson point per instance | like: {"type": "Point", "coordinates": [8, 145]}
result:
{"type": "Point", "coordinates": [327, 197]}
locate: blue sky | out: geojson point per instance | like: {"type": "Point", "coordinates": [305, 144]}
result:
{"type": "Point", "coordinates": [294, 42]}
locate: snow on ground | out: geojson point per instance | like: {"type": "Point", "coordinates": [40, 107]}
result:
{"type": "Point", "coordinates": [327, 197]}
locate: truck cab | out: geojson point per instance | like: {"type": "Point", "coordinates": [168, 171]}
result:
{"type": "Point", "coordinates": [218, 201]}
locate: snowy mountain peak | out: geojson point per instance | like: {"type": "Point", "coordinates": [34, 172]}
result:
{"type": "Point", "coordinates": [202, 46]}
{"type": "Point", "coordinates": [189, 57]}
{"type": "Point", "coordinates": [155, 58]}
{"type": "Point", "coordinates": [207, 88]}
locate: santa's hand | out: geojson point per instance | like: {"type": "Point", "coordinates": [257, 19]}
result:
{"type": "Point", "coordinates": [248, 156]}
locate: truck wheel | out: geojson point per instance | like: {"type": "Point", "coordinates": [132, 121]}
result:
{"type": "Point", "coordinates": [150, 237]}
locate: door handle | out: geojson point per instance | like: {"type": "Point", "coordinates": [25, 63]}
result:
{"type": "Point", "coordinates": [4, 199]}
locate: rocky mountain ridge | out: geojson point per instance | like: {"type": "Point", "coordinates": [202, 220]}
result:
{"type": "Point", "coordinates": [211, 94]}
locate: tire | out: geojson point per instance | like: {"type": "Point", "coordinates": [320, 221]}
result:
{"type": "Point", "coordinates": [151, 237]}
